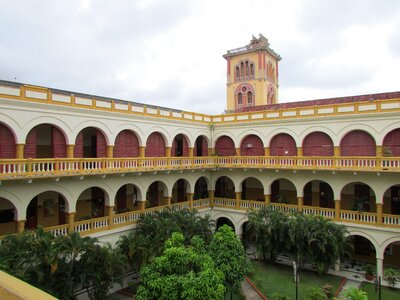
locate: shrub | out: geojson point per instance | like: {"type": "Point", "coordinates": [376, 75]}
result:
{"type": "Point", "coordinates": [391, 276]}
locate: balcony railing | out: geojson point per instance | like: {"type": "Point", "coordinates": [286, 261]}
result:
{"type": "Point", "coordinates": [19, 168]}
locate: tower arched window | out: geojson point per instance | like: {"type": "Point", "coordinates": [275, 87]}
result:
{"type": "Point", "coordinates": [251, 69]}
{"type": "Point", "coordinates": [247, 69]}
{"type": "Point", "coordinates": [249, 98]}
{"type": "Point", "coordinates": [241, 69]}
{"type": "Point", "coordinates": [237, 72]}
{"type": "Point", "coordinates": [240, 100]}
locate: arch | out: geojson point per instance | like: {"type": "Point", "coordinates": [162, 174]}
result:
{"type": "Point", "coordinates": [7, 142]}
{"type": "Point", "coordinates": [250, 98]}
{"type": "Point", "coordinates": [362, 249]}
{"type": "Point", "coordinates": [357, 196]}
{"type": "Point", "coordinates": [317, 143]}
{"type": "Point", "coordinates": [180, 146]}
{"type": "Point", "coordinates": [156, 194]}
{"type": "Point", "coordinates": [91, 203]}
{"type": "Point", "coordinates": [155, 145]}
{"type": "Point", "coordinates": [45, 141]}
{"type": "Point", "coordinates": [252, 189]}
{"type": "Point", "coordinates": [90, 143]}
{"type": "Point", "coordinates": [318, 193]}
{"type": "Point", "coordinates": [391, 253]}
{"type": "Point", "coordinates": [283, 144]}
{"type": "Point", "coordinates": [8, 216]}
{"type": "Point", "coordinates": [225, 221]}
{"type": "Point", "coordinates": [252, 145]}
{"type": "Point", "coordinates": [46, 209]}
{"type": "Point", "coordinates": [179, 190]}
{"type": "Point", "coordinates": [225, 146]}
{"type": "Point", "coordinates": [200, 146]}
{"type": "Point", "coordinates": [225, 187]}
{"type": "Point", "coordinates": [127, 198]}
{"type": "Point", "coordinates": [126, 144]}
{"type": "Point", "coordinates": [201, 188]}
{"type": "Point", "coordinates": [358, 143]}
{"type": "Point", "coordinates": [283, 191]}
{"type": "Point", "coordinates": [391, 143]}
{"type": "Point", "coordinates": [391, 200]}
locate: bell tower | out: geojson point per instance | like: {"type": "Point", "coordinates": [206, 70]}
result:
{"type": "Point", "coordinates": [252, 75]}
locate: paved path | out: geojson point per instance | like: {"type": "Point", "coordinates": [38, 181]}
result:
{"type": "Point", "coordinates": [350, 283]}
{"type": "Point", "coordinates": [248, 292]}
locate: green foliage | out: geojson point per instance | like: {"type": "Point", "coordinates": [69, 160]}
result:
{"type": "Point", "coordinates": [279, 296]}
{"type": "Point", "coordinates": [391, 276]}
{"type": "Point", "coordinates": [315, 294]}
{"type": "Point", "coordinates": [353, 293]}
{"type": "Point", "coordinates": [229, 256]}
{"type": "Point", "coordinates": [369, 270]}
{"type": "Point", "coordinates": [182, 272]}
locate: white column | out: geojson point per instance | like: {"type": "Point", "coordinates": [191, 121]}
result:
{"type": "Point", "coordinates": [379, 267]}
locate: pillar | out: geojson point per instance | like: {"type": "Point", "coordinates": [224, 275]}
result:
{"type": "Point", "coordinates": [379, 217]}
{"type": "Point", "coordinates": [110, 214]}
{"type": "Point", "coordinates": [19, 151]}
{"type": "Point", "coordinates": [191, 149]}
{"type": "Point", "coordinates": [379, 151]}
{"type": "Point", "coordinates": [70, 151]}
{"type": "Point", "coordinates": [169, 200]}
{"type": "Point", "coordinates": [20, 226]}
{"type": "Point", "coordinates": [267, 199]}
{"type": "Point", "coordinates": [266, 151]}
{"type": "Point", "coordinates": [110, 151]}
{"type": "Point", "coordinates": [336, 151]}
{"type": "Point", "coordinates": [337, 210]}
{"type": "Point", "coordinates": [168, 151]}
{"type": "Point", "coordinates": [299, 151]}
{"type": "Point", "coordinates": [189, 197]}
{"type": "Point", "coordinates": [379, 267]}
{"type": "Point", "coordinates": [211, 197]}
{"type": "Point", "coordinates": [142, 151]}
{"type": "Point", "coordinates": [238, 151]}
{"type": "Point", "coordinates": [238, 196]}
{"type": "Point", "coordinates": [300, 201]}
{"type": "Point", "coordinates": [210, 151]}
{"type": "Point", "coordinates": [142, 205]}
{"type": "Point", "coordinates": [337, 265]}
{"type": "Point", "coordinates": [71, 222]}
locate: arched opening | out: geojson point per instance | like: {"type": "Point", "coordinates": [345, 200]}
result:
{"type": "Point", "coordinates": [225, 221]}
{"type": "Point", "coordinates": [241, 69]}
{"type": "Point", "coordinates": [317, 144]}
{"type": "Point", "coordinates": [391, 256]}
{"type": "Point", "coordinates": [155, 145]}
{"type": "Point", "coordinates": [283, 191]}
{"type": "Point", "coordinates": [225, 188]}
{"type": "Point", "coordinates": [200, 146]}
{"type": "Point", "coordinates": [237, 73]}
{"type": "Point", "coordinates": [252, 145]}
{"type": "Point", "coordinates": [357, 143]}
{"type": "Point", "coordinates": [225, 146]}
{"type": "Point", "coordinates": [283, 145]}
{"type": "Point", "coordinates": [391, 200]}
{"type": "Point", "coordinates": [90, 143]}
{"type": "Point", "coordinates": [239, 100]}
{"type": "Point", "coordinates": [249, 98]}
{"type": "Point", "coordinates": [248, 240]}
{"type": "Point", "coordinates": [126, 144]}
{"type": "Point", "coordinates": [127, 198]}
{"type": "Point", "coordinates": [179, 191]}
{"type": "Point", "coordinates": [155, 195]}
{"type": "Point", "coordinates": [90, 204]}
{"type": "Point", "coordinates": [8, 214]}
{"type": "Point", "coordinates": [46, 209]}
{"type": "Point", "coordinates": [391, 143]}
{"type": "Point", "coordinates": [318, 193]}
{"type": "Point", "coordinates": [7, 142]}
{"type": "Point", "coordinates": [252, 69]}
{"type": "Point", "coordinates": [200, 189]}
{"type": "Point", "coordinates": [180, 146]}
{"type": "Point", "coordinates": [45, 141]}
{"type": "Point", "coordinates": [362, 252]}
{"type": "Point", "coordinates": [357, 196]}
{"type": "Point", "coordinates": [252, 189]}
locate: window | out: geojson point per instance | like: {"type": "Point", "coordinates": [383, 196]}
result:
{"type": "Point", "coordinates": [240, 100]}
{"type": "Point", "coordinates": [249, 98]}
{"type": "Point", "coordinates": [251, 69]}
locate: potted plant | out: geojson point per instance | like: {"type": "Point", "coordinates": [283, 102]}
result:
{"type": "Point", "coordinates": [369, 272]}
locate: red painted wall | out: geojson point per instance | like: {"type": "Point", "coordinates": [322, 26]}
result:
{"type": "Point", "coordinates": [30, 145]}
{"type": "Point", "coordinates": [58, 143]}
{"type": "Point", "coordinates": [204, 146]}
{"type": "Point", "coordinates": [252, 146]}
{"type": "Point", "coordinates": [78, 149]}
{"type": "Point", "coordinates": [317, 144]}
{"type": "Point", "coordinates": [392, 143]}
{"type": "Point", "coordinates": [185, 147]}
{"type": "Point", "coordinates": [357, 143]}
{"type": "Point", "coordinates": [225, 146]}
{"type": "Point", "coordinates": [282, 143]}
{"type": "Point", "coordinates": [7, 142]}
{"type": "Point", "coordinates": [126, 145]}
{"type": "Point", "coordinates": [101, 145]}
{"type": "Point", "coordinates": [155, 145]}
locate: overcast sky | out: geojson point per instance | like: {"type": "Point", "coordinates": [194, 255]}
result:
{"type": "Point", "coordinates": [169, 52]}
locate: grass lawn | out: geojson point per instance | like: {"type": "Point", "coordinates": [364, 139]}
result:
{"type": "Point", "coordinates": [387, 293]}
{"type": "Point", "coordinates": [271, 279]}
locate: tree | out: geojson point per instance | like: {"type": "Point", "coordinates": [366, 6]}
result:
{"type": "Point", "coordinates": [229, 256]}
{"type": "Point", "coordinates": [182, 272]}
{"type": "Point", "coordinates": [353, 293]}
{"type": "Point", "coordinates": [298, 230]}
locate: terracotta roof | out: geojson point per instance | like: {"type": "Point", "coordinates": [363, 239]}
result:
{"type": "Point", "coordinates": [318, 102]}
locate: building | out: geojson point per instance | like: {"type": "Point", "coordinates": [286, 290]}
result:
{"type": "Point", "coordinates": [78, 162]}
